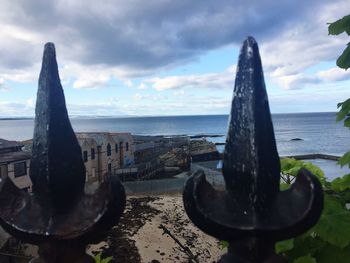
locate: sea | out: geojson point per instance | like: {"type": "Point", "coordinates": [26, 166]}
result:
{"type": "Point", "coordinates": [318, 132]}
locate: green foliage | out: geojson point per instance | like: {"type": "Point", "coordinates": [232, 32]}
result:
{"type": "Point", "coordinates": [345, 160]}
{"type": "Point", "coordinates": [341, 184]}
{"type": "Point", "coordinates": [284, 246]}
{"type": "Point", "coordinates": [290, 168]}
{"type": "Point", "coordinates": [334, 224]}
{"type": "Point", "coordinates": [223, 244]}
{"type": "Point", "coordinates": [329, 240]}
{"type": "Point", "coordinates": [331, 253]}
{"type": "Point", "coordinates": [330, 237]}
{"type": "Point", "coordinates": [305, 259]}
{"type": "Point", "coordinates": [344, 60]}
{"type": "Point", "coordinates": [98, 258]}
{"type": "Point", "coordinates": [344, 112]}
{"type": "Point", "coordinates": [340, 26]}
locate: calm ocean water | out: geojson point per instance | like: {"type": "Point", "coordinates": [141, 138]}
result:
{"type": "Point", "coordinates": [320, 133]}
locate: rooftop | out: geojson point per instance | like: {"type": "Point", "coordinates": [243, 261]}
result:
{"type": "Point", "coordinates": [14, 156]}
{"type": "Point", "coordinates": [8, 144]}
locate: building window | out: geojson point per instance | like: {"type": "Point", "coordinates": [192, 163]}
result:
{"type": "Point", "coordinates": [109, 152]}
{"type": "Point", "coordinates": [126, 146]}
{"type": "Point", "coordinates": [85, 156]}
{"type": "Point", "coordinates": [116, 148]}
{"type": "Point", "coordinates": [109, 167]}
{"type": "Point", "coordinates": [20, 169]}
{"type": "Point", "coordinates": [92, 153]}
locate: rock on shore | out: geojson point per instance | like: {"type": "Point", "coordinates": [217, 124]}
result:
{"type": "Point", "coordinates": [203, 150]}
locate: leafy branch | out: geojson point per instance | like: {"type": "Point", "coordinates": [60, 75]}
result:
{"type": "Point", "coordinates": [98, 259]}
{"type": "Point", "coordinates": [329, 239]}
{"type": "Point", "coordinates": [336, 28]}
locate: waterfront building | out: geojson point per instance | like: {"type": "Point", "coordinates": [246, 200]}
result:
{"type": "Point", "coordinates": [14, 163]}
{"type": "Point", "coordinates": [105, 153]}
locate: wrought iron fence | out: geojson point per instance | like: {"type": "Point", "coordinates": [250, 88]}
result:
{"type": "Point", "coordinates": [252, 213]}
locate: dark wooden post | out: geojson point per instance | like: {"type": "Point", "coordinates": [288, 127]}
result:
{"type": "Point", "coordinates": [58, 216]}
{"type": "Point", "coordinates": [252, 214]}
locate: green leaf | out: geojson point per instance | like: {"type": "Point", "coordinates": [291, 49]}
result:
{"type": "Point", "coordinates": [284, 246]}
{"type": "Point", "coordinates": [98, 257]}
{"type": "Point", "coordinates": [223, 244]}
{"type": "Point", "coordinates": [344, 59]}
{"type": "Point", "coordinates": [334, 224]}
{"type": "Point", "coordinates": [345, 160]}
{"type": "Point", "coordinates": [290, 166]}
{"type": "Point", "coordinates": [305, 259]}
{"type": "Point", "coordinates": [304, 245]}
{"type": "Point", "coordinates": [287, 163]}
{"type": "Point", "coordinates": [341, 184]}
{"type": "Point", "coordinates": [106, 260]}
{"type": "Point", "coordinates": [347, 122]}
{"type": "Point", "coordinates": [331, 253]}
{"type": "Point", "coordinates": [345, 196]}
{"type": "Point", "coordinates": [340, 26]}
{"type": "Point", "coordinates": [314, 169]}
{"type": "Point", "coordinates": [344, 110]}
{"type": "Point", "coordinates": [284, 186]}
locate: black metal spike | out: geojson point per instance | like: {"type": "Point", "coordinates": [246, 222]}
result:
{"type": "Point", "coordinates": [252, 214]}
{"type": "Point", "coordinates": [251, 163]}
{"type": "Point", "coordinates": [58, 216]}
{"type": "Point", "coordinates": [57, 169]}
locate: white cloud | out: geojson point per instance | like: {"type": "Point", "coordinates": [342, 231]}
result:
{"type": "Point", "coordinates": [179, 92]}
{"type": "Point", "coordinates": [15, 109]}
{"type": "Point", "coordinates": [303, 44]}
{"type": "Point", "coordinates": [126, 40]}
{"type": "Point", "coordinates": [142, 86]}
{"type": "Point", "coordinates": [30, 103]}
{"type": "Point", "coordinates": [302, 80]}
{"type": "Point", "coordinates": [220, 80]}
{"type": "Point", "coordinates": [128, 83]}
{"type": "Point", "coordinates": [110, 108]}
{"type": "Point", "coordinates": [333, 74]}
{"type": "Point", "coordinates": [137, 37]}
{"type": "Point", "coordinates": [151, 97]}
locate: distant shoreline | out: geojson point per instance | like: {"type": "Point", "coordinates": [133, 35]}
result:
{"type": "Point", "coordinates": [16, 118]}
{"type": "Point", "coordinates": [154, 116]}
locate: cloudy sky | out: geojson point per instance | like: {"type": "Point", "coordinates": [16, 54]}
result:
{"type": "Point", "coordinates": [164, 57]}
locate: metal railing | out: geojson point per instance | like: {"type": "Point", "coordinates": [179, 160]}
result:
{"type": "Point", "coordinates": [251, 214]}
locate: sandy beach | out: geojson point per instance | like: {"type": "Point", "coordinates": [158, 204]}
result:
{"type": "Point", "coordinates": [139, 238]}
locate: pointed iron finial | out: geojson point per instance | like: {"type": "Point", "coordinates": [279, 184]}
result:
{"type": "Point", "coordinates": [57, 169]}
{"type": "Point", "coordinates": [252, 214]}
{"type": "Point", "coordinates": [58, 216]}
{"type": "Point", "coordinates": [251, 163]}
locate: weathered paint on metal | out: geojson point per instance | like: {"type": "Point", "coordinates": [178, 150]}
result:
{"type": "Point", "coordinates": [58, 215]}
{"type": "Point", "coordinates": [252, 214]}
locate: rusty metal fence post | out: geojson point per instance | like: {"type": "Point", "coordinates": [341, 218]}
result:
{"type": "Point", "coordinates": [252, 214]}
{"type": "Point", "coordinates": [58, 216]}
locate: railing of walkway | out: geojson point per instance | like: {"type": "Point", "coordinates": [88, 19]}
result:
{"type": "Point", "coordinates": [252, 214]}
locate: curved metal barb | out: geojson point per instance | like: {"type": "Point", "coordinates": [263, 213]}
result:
{"type": "Point", "coordinates": [58, 209]}
{"type": "Point", "coordinates": [252, 207]}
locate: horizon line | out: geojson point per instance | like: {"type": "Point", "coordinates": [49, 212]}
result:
{"type": "Point", "coordinates": [150, 116]}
